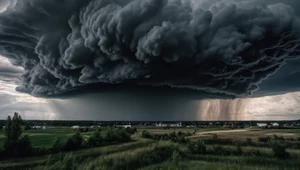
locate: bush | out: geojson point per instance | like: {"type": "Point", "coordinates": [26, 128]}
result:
{"type": "Point", "coordinates": [279, 150]}
{"type": "Point", "coordinates": [279, 138]}
{"type": "Point", "coordinates": [58, 145]}
{"type": "Point", "coordinates": [131, 130]}
{"type": "Point", "coordinates": [146, 134]}
{"type": "Point", "coordinates": [249, 141]}
{"type": "Point", "coordinates": [176, 157]}
{"type": "Point", "coordinates": [74, 142]}
{"type": "Point", "coordinates": [117, 135]}
{"type": "Point", "coordinates": [264, 139]}
{"type": "Point", "coordinates": [197, 148]}
{"type": "Point", "coordinates": [24, 147]}
{"type": "Point", "coordinates": [218, 149]}
{"type": "Point", "coordinates": [254, 152]}
{"type": "Point", "coordinates": [221, 141]}
{"type": "Point", "coordinates": [95, 139]}
{"type": "Point", "coordinates": [2, 154]}
{"type": "Point", "coordinates": [239, 150]}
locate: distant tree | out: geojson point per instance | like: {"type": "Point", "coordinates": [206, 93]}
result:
{"type": "Point", "coordinates": [14, 144]}
{"type": "Point", "coordinates": [12, 131]}
{"type": "Point", "coordinates": [27, 127]}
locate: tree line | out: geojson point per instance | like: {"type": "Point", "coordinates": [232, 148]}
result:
{"type": "Point", "coordinates": [16, 144]}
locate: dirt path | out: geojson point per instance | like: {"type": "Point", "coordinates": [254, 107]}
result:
{"type": "Point", "coordinates": [207, 133]}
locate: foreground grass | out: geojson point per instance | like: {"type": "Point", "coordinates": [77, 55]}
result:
{"type": "Point", "coordinates": [139, 154]}
{"type": "Point", "coordinates": [206, 165]}
{"type": "Point", "coordinates": [86, 154]}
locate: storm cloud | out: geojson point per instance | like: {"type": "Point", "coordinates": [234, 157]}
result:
{"type": "Point", "coordinates": [216, 46]}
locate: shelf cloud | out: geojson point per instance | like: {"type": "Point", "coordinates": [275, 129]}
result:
{"type": "Point", "coordinates": [217, 46]}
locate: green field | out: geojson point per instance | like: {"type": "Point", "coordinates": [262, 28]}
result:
{"type": "Point", "coordinates": [149, 154]}
{"type": "Point", "coordinates": [45, 138]}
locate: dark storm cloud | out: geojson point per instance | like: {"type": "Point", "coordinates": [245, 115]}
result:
{"type": "Point", "coordinates": [218, 46]}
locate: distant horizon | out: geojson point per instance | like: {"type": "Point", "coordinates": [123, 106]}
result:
{"type": "Point", "coordinates": [157, 120]}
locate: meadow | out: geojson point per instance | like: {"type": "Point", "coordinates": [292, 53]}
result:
{"type": "Point", "coordinates": [161, 148]}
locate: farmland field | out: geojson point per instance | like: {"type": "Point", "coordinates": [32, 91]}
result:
{"type": "Point", "coordinates": [152, 154]}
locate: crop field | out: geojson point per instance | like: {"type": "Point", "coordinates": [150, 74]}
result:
{"type": "Point", "coordinates": [243, 149]}
{"type": "Point", "coordinates": [45, 137]}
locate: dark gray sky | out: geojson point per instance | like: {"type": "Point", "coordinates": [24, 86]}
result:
{"type": "Point", "coordinates": [3, 4]}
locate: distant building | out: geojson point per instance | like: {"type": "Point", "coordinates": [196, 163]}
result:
{"type": "Point", "coordinates": [124, 126]}
{"type": "Point", "coordinates": [162, 125]}
{"type": "Point", "coordinates": [127, 126]}
{"type": "Point", "coordinates": [262, 125]}
{"type": "Point", "coordinates": [169, 124]}
{"type": "Point", "coordinates": [275, 125]}
{"type": "Point", "coordinates": [75, 127]}
{"type": "Point", "coordinates": [39, 127]}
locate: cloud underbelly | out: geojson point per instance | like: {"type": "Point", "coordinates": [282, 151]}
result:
{"type": "Point", "coordinates": [225, 47]}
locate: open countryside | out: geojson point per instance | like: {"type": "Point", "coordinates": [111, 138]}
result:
{"type": "Point", "coordinates": [151, 146]}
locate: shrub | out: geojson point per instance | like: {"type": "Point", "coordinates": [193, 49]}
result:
{"type": "Point", "coordinates": [218, 149]}
{"type": "Point", "coordinates": [176, 157]}
{"type": "Point", "coordinates": [197, 148]}
{"type": "Point", "coordinates": [254, 152]}
{"type": "Point", "coordinates": [249, 141]}
{"type": "Point", "coordinates": [24, 147]}
{"type": "Point", "coordinates": [278, 137]}
{"type": "Point", "coordinates": [74, 142]}
{"type": "Point", "coordinates": [58, 145]}
{"type": "Point", "coordinates": [279, 150]}
{"type": "Point", "coordinates": [264, 139]}
{"type": "Point", "coordinates": [189, 134]}
{"type": "Point", "coordinates": [95, 139]}
{"type": "Point", "coordinates": [131, 130]}
{"type": "Point", "coordinates": [146, 134]}
{"type": "Point", "coordinates": [117, 135]}
{"type": "Point", "coordinates": [2, 154]}
{"type": "Point", "coordinates": [239, 150]}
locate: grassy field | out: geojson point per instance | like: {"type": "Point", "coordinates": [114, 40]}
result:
{"type": "Point", "coordinates": [45, 137]}
{"type": "Point", "coordinates": [148, 154]}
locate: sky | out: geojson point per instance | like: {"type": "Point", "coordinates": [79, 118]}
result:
{"type": "Point", "coordinates": [58, 62]}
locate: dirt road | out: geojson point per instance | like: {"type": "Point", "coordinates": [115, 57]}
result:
{"type": "Point", "coordinates": [207, 133]}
